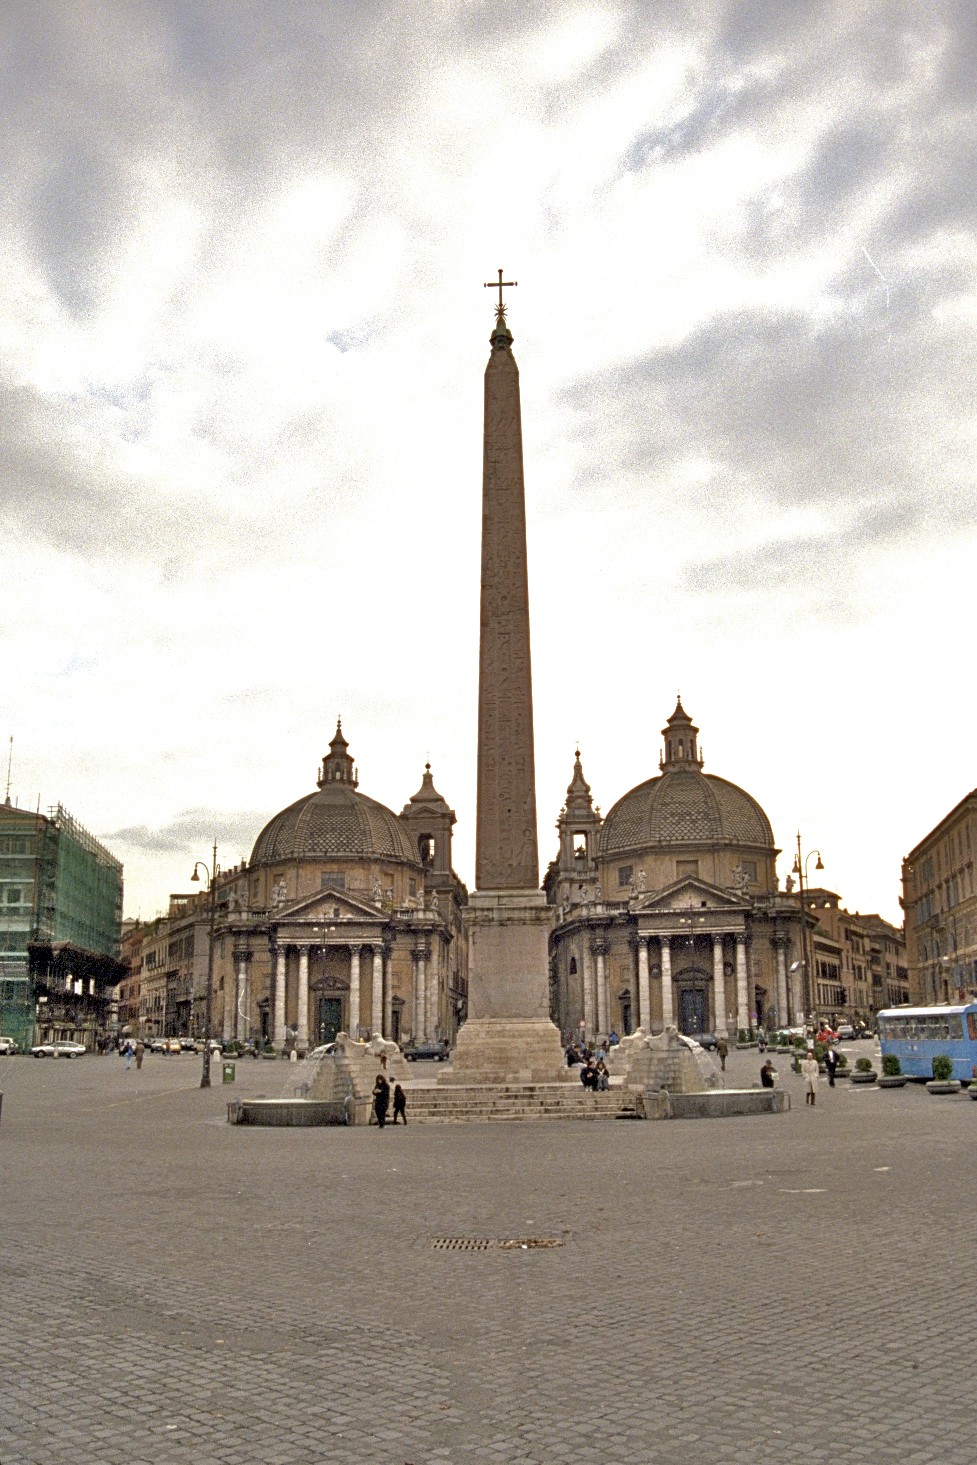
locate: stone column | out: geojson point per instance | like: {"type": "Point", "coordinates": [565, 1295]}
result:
{"type": "Point", "coordinates": [239, 1022]}
{"type": "Point", "coordinates": [780, 957]}
{"type": "Point", "coordinates": [420, 995]}
{"type": "Point", "coordinates": [433, 1006]}
{"type": "Point", "coordinates": [668, 1015]}
{"type": "Point", "coordinates": [589, 1016]}
{"type": "Point", "coordinates": [719, 982]}
{"type": "Point", "coordinates": [387, 993]}
{"type": "Point", "coordinates": [600, 954]}
{"type": "Point", "coordinates": [642, 1017]}
{"type": "Point", "coordinates": [302, 1017]}
{"type": "Point", "coordinates": [354, 991]}
{"type": "Point", "coordinates": [376, 1005]}
{"type": "Point", "coordinates": [279, 1026]}
{"type": "Point", "coordinates": [230, 1008]}
{"type": "Point", "coordinates": [742, 997]}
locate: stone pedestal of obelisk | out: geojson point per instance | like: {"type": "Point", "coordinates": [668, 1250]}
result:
{"type": "Point", "coordinates": [508, 1035]}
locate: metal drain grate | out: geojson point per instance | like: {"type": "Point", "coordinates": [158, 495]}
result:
{"type": "Point", "coordinates": [504, 1243]}
{"type": "Point", "coordinates": [460, 1243]}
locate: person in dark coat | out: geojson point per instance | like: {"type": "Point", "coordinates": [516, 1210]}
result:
{"type": "Point", "coordinates": [400, 1104]}
{"type": "Point", "coordinates": [767, 1075]}
{"type": "Point", "coordinates": [831, 1064]}
{"type": "Point", "coordinates": [381, 1099]}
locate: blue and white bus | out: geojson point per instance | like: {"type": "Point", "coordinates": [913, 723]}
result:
{"type": "Point", "coordinates": [917, 1034]}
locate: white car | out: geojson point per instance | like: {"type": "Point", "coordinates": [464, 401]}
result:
{"type": "Point", "coordinates": [59, 1050]}
{"type": "Point", "coordinates": [8, 1046]}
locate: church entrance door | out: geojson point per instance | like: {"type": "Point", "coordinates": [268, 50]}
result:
{"type": "Point", "coordinates": [330, 1018]}
{"type": "Point", "coordinates": [693, 1011]}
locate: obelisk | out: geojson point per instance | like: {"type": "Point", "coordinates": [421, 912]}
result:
{"type": "Point", "coordinates": [508, 1035]}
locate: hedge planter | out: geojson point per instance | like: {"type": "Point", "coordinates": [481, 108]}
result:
{"type": "Point", "coordinates": [864, 1077]}
{"type": "Point", "coordinates": [892, 1081]}
{"type": "Point", "coordinates": [943, 1086]}
{"type": "Point", "coordinates": [972, 1090]}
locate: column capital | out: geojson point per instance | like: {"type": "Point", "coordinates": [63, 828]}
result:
{"type": "Point", "coordinates": [666, 941]}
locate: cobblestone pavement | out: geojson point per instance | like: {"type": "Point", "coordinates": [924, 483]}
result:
{"type": "Point", "coordinates": [174, 1289]}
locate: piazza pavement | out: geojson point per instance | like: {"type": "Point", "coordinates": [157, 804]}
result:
{"type": "Point", "coordinates": [175, 1289]}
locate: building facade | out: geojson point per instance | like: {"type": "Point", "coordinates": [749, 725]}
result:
{"type": "Point", "coordinates": [347, 918]}
{"type": "Point", "coordinates": [667, 910]}
{"type": "Point", "coordinates": [60, 929]}
{"type": "Point", "coordinates": [940, 907]}
{"type": "Point", "coordinates": [859, 960]}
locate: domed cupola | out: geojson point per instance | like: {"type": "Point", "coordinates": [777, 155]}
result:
{"type": "Point", "coordinates": [337, 820]}
{"type": "Point", "coordinates": [681, 741]}
{"type": "Point", "coordinates": [684, 806]}
{"type": "Point", "coordinates": [337, 766]}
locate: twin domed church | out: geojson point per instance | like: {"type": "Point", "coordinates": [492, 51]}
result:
{"type": "Point", "coordinates": [349, 917]}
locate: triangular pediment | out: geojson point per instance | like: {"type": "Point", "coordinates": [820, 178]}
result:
{"type": "Point", "coordinates": [694, 892]}
{"type": "Point", "coordinates": [328, 905]}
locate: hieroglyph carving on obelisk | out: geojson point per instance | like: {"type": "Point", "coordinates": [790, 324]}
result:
{"type": "Point", "coordinates": [506, 852]}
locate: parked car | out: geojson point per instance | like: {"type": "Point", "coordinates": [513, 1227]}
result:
{"type": "Point", "coordinates": [705, 1040]}
{"type": "Point", "coordinates": [188, 1045]}
{"type": "Point", "coordinates": [59, 1050]}
{"type": "Point", "coordinates": [8, 1045]}
{"type": "Point", "coordinates": [436, 1052]}
{"type": "Point", "coordinates": [173, 1045]}
{"type": "Point", "coordinates": [846, 1033]}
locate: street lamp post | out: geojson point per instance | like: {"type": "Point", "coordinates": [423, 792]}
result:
{"type": "Point", "coordinates": [212, 875]}
{"type": "Point", "coordinates": [800, 870]}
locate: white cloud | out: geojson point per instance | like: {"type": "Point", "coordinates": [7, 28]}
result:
{"type": "Point", "coordinates": [241, 343]}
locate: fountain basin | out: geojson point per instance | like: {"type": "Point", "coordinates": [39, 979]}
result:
{"type": "Point", "coordinates": [305, 1113]}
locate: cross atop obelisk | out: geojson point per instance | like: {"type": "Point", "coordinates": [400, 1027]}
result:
{"type": "Point", "coordinates": [502, 285]}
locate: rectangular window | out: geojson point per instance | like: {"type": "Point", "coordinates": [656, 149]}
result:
{"type": "Point", "coordinates": [749, 868]}
{"type": "Point", "coordinates": [686, 868]}
{"type": "Point", "coordinates": [625, 874]}
{"type": "Point", "coordinates": [332, 880]}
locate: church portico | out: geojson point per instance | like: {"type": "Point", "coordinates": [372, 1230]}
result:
{"type": "Point", "coordinates": [678, 887]}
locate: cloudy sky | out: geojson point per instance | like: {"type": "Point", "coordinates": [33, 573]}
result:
{"type": "Point", "coordinates": [242, 337]}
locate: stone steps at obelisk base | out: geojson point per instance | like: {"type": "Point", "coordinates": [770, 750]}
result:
{"type": "Point", "coordinates": [471, 1104]}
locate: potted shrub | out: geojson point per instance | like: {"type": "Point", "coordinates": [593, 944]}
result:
{"type": "Point", "coordinates": [842, 1070]}
{"type": "Point", "coordinates": [864, 1072]}
{"type": "Point", "coordinates": [892, 1074]}
{"type": "Point", "coordinates": [972, 1089]}
{"type": "Point", "coordinates": [943, 1081]}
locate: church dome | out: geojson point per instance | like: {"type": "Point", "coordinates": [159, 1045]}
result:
{"type": "Point", "coordinates": [335, 820]}
{"type": "Point", "coordinates": [684, 806]}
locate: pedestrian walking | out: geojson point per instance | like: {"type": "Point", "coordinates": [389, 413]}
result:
{"type": "Point", "coordinates": [127, 1053]}
{"type": "Point", "coordinates": [831, 1064]}
{"type": "Point", "coordinates": [400, 1104]}
{"type": "Point", "coordinates": [809, 1072]}
{"type": "Point", "coordinates": [381, 1099]}
{"type": "Point", "coordinates": [140, 1051]}
{"type": "Point", "coordinates": [722, 1052]}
